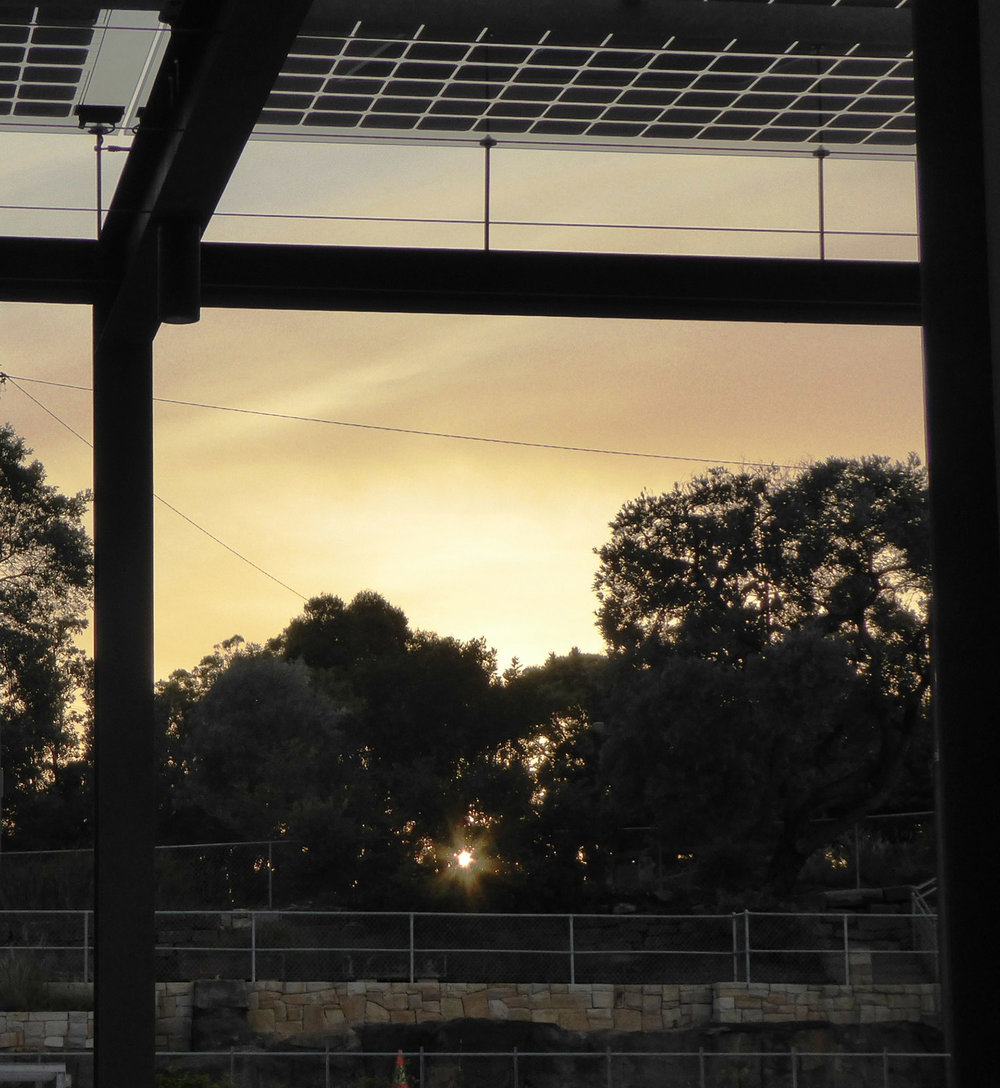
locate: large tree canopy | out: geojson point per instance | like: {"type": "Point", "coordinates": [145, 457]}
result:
{"type": "Point", "coordinates": [45, 580]}
{"type": "Point", "coordinates": [772, 632]}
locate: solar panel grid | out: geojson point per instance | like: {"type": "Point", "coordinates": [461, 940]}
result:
{"type": "Point", "coordinates": [43, 52]}
{"type": "Point", "coordinates": [686, 90]}
{"type": "Point", "coordinates": [423, 81]}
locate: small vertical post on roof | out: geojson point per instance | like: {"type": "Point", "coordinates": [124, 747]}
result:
{"type": "Point", "coordinates": [821, 154]}
{"type": "Point", "coordinates": [487, 143]}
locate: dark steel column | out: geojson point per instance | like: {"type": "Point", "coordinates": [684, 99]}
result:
{"type": "Point", "coordinates": [958, 136]}
{"type": "Point", "coordinates": [124, 754]}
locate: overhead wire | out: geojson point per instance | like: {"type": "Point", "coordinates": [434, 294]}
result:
{"type": "Point", "coordinates": [429, 434]}
{"type": "Point", "coordinates": [15, 382]}
{"type": "Point", "coordinates": [460, 222]}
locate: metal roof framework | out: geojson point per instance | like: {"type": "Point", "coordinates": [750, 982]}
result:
{"type": "Point", "coordinates": [624, 73]}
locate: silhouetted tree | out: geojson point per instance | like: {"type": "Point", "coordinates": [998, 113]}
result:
{"type": "Point", "coordinates": [772, 634]}
{"type": "Point", "coordinates": [45, 582]}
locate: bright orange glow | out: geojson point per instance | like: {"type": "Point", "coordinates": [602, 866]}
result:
{"type": "Point", "coordinates": [464, 859]}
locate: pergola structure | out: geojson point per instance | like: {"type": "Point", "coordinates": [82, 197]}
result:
{"type": "Point", "coordinates": [755, 74]}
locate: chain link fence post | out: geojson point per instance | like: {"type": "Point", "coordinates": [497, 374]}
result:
{"type": "Point", "coordinates": [736, 952]}
{"type": "Point", "coordinates": [413, 952]}
{"type": "Point", "coordinates": [253, 946]}
{"type": "Point", "coordinates": [847, 954]}
{"type": "Point", "coordinates": [572, 953]}
{"type": "Point", "coordinates": [746, 942]}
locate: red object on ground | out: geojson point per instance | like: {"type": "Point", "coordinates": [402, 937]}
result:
{"type": "Point", "coordinates": [399, 1077]}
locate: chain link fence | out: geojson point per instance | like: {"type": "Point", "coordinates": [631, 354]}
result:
{"type": "Point", "coordinates": [199, 876]}
{"type": "Point", "coordinates": [583, 1069]}
{"type": "Point", "coordinates": [527, 1069]}
{"type": "Point", "coordinates": [304, 946]}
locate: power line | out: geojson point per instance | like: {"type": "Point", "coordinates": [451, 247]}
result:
{"type": "Point", "coordinates": [14, 381]}
{"type": "Point", "coordinates": [457, 222]}
{"type": "Point", "coordinates": [435, 434]}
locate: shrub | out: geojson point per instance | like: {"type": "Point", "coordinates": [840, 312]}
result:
{"type": "Point", "coordinates": [23, 983]}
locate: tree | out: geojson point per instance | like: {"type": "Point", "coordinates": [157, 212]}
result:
{"type": "Point", "coordinates": [425, 723]}
{"type": "Point", "coordinates": [260, 740]}
{"type": "Point", "coordinates": [45, 580]}
{"type": "Point", "coordinates": [560, 708]}
{"type": "Point", "coordinates": [772, 634]}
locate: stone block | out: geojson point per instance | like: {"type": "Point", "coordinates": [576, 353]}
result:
{"type": "Point", "coordinates": [498, 1010]}
{"type": "Point", "coordinates": [9, 1040]}
{"type": "Point", "coordinates": [574, 1019]}
{"type": "Point", "coordinates": [475, 1005]}
{"type": "Point", "coordinates": [452, 1008]}
{"type": "Point", "coordinates": [353, 1008]}
{"type": "Point", "coordinates": [313, 1020]}
{"type": "Point", "coordinates": [627, 1019]}
{"type": "Point", "coordinates": [375, 1014]}
{"type": "Point", "coordinates": [402, 1016]}
{"type": "Point", "coordinates": [603, 999]}
{"type": "Point", "coordinates": [545, 1016]}
{"type": "Point", "coordinates": [652, 1021]}
{"type": "Point", "coordinates": [571, 1001]}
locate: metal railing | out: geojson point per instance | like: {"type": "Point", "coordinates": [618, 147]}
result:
{"type": "Point", "coordinates": [576, 948]}
{"type": "Point", "coordinates": [599, 1068]}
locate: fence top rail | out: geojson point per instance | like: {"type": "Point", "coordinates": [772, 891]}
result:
{"type": "Point", "coordinates": [271, 913]}
{"type": "Point", "coordinates": [347, 913]}
{"type": "Point", "coordinates": [21, 912]}
{"type": "Point", "coordinates": [849, 914]}
{"type": "Point", "coordinates": [189, 1054]}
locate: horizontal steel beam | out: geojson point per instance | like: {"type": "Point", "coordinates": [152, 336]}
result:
{"type": "Point", "coordinates": [277, 277]}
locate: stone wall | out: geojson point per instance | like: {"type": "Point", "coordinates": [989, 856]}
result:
{"type": "Point", "coordinates": [301, 1010]}
{"type": "Point", "coordinates": [31, 1031]}
{"type": "Point", "coordinates": [321, 1012]}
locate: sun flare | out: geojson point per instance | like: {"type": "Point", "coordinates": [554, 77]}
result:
{"type": "Point", "coordinates": [464, 859]}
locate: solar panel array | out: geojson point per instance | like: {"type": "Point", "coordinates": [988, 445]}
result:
{"type": "Point", "coordinates": [44, 56]}
{"type": "Point", "coordinates": [430, 82]}
{"type": "Point", "coordinates": [728, 89]}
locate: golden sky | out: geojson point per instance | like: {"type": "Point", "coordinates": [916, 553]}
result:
{"type": "Point", "coordinates": [468, 538]}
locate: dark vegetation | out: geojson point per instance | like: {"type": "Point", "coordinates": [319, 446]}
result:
{"type": "Point", "coordinates": [765, 689]}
